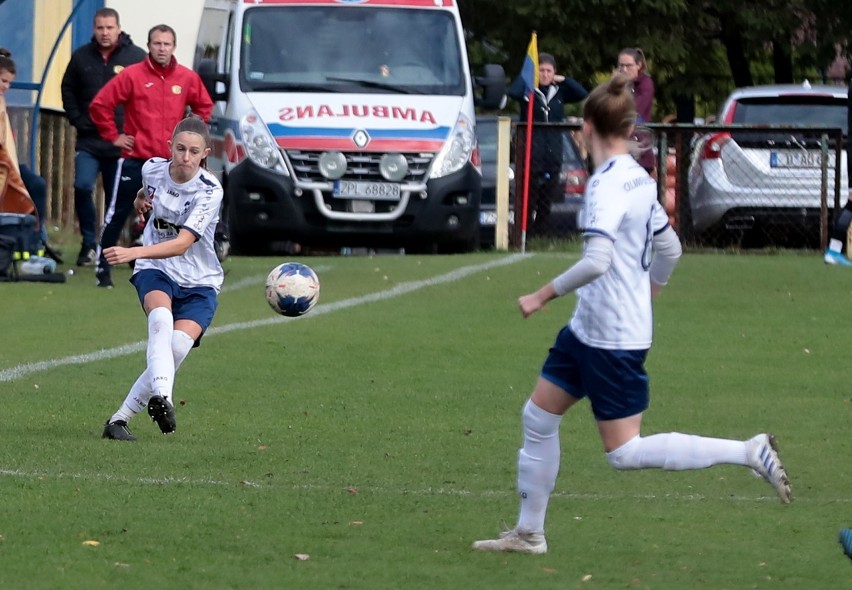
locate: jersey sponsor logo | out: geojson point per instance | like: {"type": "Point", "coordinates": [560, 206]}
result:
{"type": "Point", "coordinates": [363, 111]}
{"type": "Point", "coordinates": [637, 182]}
{"type": "Point", "coordinates": [172, 192]}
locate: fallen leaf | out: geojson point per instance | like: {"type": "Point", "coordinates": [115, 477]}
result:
{"type": "Point", "coordinates": [302, 556]}
{"type": "Point", "coordinates": [587, 577]}
{"type": "Point", "coordinates": [353, 490]}
{"type": "Point", "coordinates": [91, 543]}
{"type": "Point", "coordinates": [262, 448]}
{"type": "Point", "coordinates": [548, 570]}
{"type": "Point", "coordinates": [353, 523]}
{"type": "Point", "coordinates": [182, 402]}
{"type": "Point", "coordinates": [120, 564]}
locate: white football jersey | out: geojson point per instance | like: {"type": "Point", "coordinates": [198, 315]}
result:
{"type": "Point", "coordinates": [614, 311]}
{"type": "Point", "coordinates": [193, 205]}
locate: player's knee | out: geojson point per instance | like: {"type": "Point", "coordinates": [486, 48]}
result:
{"type": "Point", "coordinates": [538, 424]}
{"type": "Point", "coordinates": [626, 456]}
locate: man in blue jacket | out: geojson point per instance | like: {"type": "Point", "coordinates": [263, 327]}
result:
{"type": "Point", "coordinates": [551, 96]}
{"type": "Point", "coordinates": [90, 68]}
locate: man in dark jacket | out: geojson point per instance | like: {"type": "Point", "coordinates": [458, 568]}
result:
{"type": "Point", "coordinates": [90, 68]}
{"type": "Point", "coordinates": [553, 92]}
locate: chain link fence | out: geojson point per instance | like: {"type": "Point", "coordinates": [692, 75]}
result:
{"type": "Point", "coordinates": [723, 186]}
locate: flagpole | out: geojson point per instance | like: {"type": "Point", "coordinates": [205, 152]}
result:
{"type": "Point", "coordinates": [529, 72]}
{"type": "Point", "coordinates": [527, 153]}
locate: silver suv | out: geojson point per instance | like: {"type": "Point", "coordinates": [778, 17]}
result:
{"type": "Point", "coordinates": [739, 179]}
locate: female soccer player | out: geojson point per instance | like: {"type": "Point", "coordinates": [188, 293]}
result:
{"type": "Point", "coordinates": [176, 275]}
{"type": "Point", "coordinates": [629, 253]}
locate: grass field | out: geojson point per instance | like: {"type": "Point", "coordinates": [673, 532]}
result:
{"type": "Point", "coordinates": [378, 434]}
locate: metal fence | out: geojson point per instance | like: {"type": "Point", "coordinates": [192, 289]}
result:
{"type": "Point", "coordinates": [723, 186]}
{"type": "Point", "coordinates": [54, 161]}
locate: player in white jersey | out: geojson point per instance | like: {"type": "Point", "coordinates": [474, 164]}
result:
{"type": "Point", "coordinates": [629, 253]}
{"type": "Point", "coordinates": [177, 274]}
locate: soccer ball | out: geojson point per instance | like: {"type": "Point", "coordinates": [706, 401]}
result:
{"type": "Point", "coordinates": [292, 289]}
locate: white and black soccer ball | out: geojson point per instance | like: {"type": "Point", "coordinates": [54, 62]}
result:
{"type": "Point", "coordinates": [292, 289]}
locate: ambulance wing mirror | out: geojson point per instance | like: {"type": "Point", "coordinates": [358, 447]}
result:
{"type": "Point", "coordinates": [215, 83]}
{"type": "Point", "coordinates": [492, 86]}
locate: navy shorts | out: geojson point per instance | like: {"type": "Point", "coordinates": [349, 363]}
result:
{"type": "Point", "coordinates": [615, 381]}
{"type": "Point", "coordinates": [188, 303]}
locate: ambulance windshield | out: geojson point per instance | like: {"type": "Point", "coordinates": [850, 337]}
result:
{"type": "Point", "coordinates": [359, 49]}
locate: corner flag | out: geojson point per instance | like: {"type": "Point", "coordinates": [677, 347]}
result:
{"type": "Point", "coordinates": [529, 71]}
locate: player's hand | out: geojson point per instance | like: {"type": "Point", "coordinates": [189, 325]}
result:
{"type": "Point", "coordinates": [529, 304]}
{"type": "Point", "coordinates": [119, 255]}
{"type": "Point", "coordinates": [141, 205]}
{"type": "Point", "coordinates": [125, 142]}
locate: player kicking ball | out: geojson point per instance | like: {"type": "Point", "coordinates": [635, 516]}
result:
{"type": "Point", "coordinates": [177, 274]}
{"type": "Point", "coordinates": [629, 254]}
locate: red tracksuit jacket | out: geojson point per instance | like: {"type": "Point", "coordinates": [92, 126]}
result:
{"type": "Point", "coordinates": [155, 100]}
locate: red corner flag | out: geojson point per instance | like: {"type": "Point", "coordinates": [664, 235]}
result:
{"type": "Point", "coordinates": [529, 73]}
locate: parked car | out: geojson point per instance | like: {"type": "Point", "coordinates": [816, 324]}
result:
{"type": "Point", "coordinates": [744, 180]}
{"type": "Point", "coordinates": [572, 180]}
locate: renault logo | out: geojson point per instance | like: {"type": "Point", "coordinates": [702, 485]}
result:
{"type": "Point", "coordinates": [361, 138]}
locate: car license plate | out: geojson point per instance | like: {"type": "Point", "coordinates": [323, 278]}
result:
{"type": "Point", "coordinates": [487, 218]}
{"type": "Point", "coordinates": [356, 189]}
{"type": "Point", "coordinates": [798, 159]}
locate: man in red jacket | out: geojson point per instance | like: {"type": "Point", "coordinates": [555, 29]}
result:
{"type": "Point", "coordinates": [156, 94]}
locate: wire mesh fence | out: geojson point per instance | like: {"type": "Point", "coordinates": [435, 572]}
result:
{"type": "Point", "coordinates": [723, 186]}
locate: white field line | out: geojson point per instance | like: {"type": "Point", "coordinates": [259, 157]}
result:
{"type": "Point", "coordinates": [16, 372]}
{"type": "Point", "coordinates": [386, 491]}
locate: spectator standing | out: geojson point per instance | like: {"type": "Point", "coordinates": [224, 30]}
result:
{"type": "Point", "coordinates": [553, 92]}
{"type": "Point", "coordinates": [90, 68]}
{"type": "Point", "coordinates": [632, 63]}
{"type": "Point", "coordinates": [156, 94]}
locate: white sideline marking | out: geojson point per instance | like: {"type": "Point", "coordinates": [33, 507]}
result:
{"type": "Point", "coordinates": [378, 490]}
{"type": "Point", "coordinates": [19, 371]}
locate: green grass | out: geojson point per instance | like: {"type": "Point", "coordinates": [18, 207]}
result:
{"type": "Point", "coordinates": [379, 435]}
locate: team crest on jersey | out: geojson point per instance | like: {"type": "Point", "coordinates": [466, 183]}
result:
{"type": "Point", "coordinates": [116, 69]}
{"type": "Point", "coordinates": [177, 89]}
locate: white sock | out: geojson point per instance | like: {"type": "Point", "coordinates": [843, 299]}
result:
{"type": "Point", "coordinates": [141, 391]}
{"type": "Point", "coordinates": [835, 245]}
{"type": "Point", "coordinates": [677, 452]}
{"type": "Point", "coordinates": [161, 361]}
{"type": "Point", "coordinates": [538, 465]}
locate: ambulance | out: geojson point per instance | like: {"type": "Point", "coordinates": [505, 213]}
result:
{"type": "Point", "coordinates": [344, 123]}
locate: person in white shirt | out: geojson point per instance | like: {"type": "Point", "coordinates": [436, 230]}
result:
{"type": "Point", "coordinates": [628, 255]}
{"type": "Point", "coordinates": [177, 274]}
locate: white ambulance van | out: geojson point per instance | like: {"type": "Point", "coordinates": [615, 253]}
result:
{"type": "Point", "coordinates": [344, 122]}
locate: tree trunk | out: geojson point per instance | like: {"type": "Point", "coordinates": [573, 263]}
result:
{"type": "Point", "coordinates": [732, 38]}
{"type": "Point", "coordinates": [782, 60]}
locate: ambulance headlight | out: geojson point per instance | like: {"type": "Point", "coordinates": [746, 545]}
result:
{"type": "Point", "coordinates": [456, 152]}
{"type": "Point", "coordinates": [259, 143]}
{"type": "Point", "coordinates": [393, 167]}
{"type": "Point", "coordinates": [332, 165]}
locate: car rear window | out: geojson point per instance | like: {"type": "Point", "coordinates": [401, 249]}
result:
{"type": "Point", "coordinates": [815, 111]}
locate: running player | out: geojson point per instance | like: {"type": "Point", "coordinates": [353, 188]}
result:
{"type": "Point", "coordinates": [177, 274]}
{"type": "Point", "coordinates": [629, 253]}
